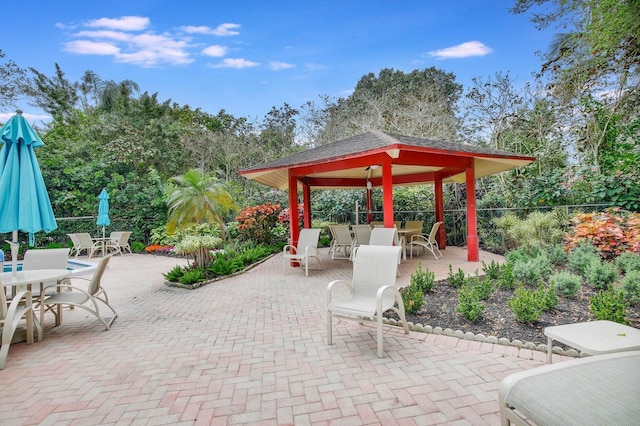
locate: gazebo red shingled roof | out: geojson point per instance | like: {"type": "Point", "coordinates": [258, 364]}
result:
{"type": "Point", "coordinates": [385, 160]}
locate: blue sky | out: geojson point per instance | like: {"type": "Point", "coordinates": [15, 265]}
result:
{"type": "Point", "coordinates": [248, 56]}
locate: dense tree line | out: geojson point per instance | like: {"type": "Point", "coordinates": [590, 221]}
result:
{"type": "Point", "coordinates": [580, 119]}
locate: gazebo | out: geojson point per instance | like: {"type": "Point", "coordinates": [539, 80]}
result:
{"type": "Point", "coordinates": [381, 159]}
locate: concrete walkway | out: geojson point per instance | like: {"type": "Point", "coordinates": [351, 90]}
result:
{"type": "Point", "coordinates": [250, 349]}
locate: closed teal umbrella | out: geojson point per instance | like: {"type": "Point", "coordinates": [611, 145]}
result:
{"type": "Point", "coordinates": [103, 210]}
{"type": "Point", "coordinates": [24, 202]}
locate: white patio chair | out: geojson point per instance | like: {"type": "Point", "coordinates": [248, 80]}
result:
{"type": "Point", "coordinates": [362, 234]}
{"type": "Point", "coordinates": [44, 259]}
{"type": "Point", "coordinates": [10, 317]}
{"type": "Point", "coordinates": [81, 242]}
{"type": "Point", "coordinates": [119, 242]}
{"type": "Point", "coordinates": [342, 241]}
{"type": "Point", "coordinates": [373, 291]}
{"type": "Point", "coordinates": [306, 248]}
{"type": "Point", "coordinates": [69, 294]}
{"type": "Point", "coordinates": [427, 242]}
{"type": "Point", "coordinates": [382, 236]}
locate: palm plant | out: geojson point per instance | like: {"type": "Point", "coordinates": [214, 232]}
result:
{"type": "Point", "coordinates": [198, 198]}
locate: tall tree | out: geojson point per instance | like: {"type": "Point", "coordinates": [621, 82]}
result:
{"type": "Point", "coordinates": [11, 76]}
{"type": "Point", "coordinates": [198, 198]}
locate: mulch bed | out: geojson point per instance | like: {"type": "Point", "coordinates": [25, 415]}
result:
{"type": "Point", "coordinates": [439, 310]}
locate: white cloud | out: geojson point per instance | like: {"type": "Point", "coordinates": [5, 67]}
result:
{"type": "Point", "coordinates": [226, 29]}
{"type": "Point", "coordinates": [124, 23]}
{"type": "Point", "coordinates": [235, 63]}
{"type": "Point", "coordinates": [314, 67]}
{"type": "Point", "coordinates": [31, 118]}
{"type": "Point", "coordinates": [277, 65]}
{"type": "Point", "coordinates": [88, 47]}
{"type": "Point", "coordinates": [215, 50]}
{"type": "Point", "coordinates": [146, 49]}
{"type": "Point", "coordinates": [222, 30]}
{"type": "Point", "coordinates": [464, 50]}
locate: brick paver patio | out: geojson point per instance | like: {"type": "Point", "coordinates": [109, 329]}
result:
{"type": "Point", "coordinates": [250, 349]}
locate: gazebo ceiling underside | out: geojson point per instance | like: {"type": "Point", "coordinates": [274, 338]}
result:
{"type": "Point", "coordinates": [348, 164]}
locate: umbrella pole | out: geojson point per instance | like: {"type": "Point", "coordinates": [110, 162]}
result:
{"type": "Point", "coordinates": [14, 253]}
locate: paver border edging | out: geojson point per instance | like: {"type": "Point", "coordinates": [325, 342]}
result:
{"type": "Point", "coordinates": [482, 338]}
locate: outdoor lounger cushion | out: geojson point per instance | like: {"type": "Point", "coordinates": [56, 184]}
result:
{"type": "Point", "coordinates": [598, 390]}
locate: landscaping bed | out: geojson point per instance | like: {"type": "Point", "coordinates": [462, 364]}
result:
{"type": "Point", "coordinates": [439, 310]}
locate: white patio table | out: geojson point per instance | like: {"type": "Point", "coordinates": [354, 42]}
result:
{"type": "Point", "coordinates": [28, 278]}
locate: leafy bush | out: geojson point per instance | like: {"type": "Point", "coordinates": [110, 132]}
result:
{"type": "Point", "coordinates": [628, 262]}
{"type": "Point", "coordinates": [424, 280]}
{"type": "Point", "coordinates": [525, 305]}
{"type": "Point", "coordinates": [631, 287]}
{"type": "Point", "coordinates": [255, 223]}
{"type": "Point", "coordinates": [198, 246]}
{"type": "Point", "coordinates": [137, 247]}
{"type": "Point", "coordinates": [492, 269]}
{"type": "Point", "coordinates": [537, 229]}
{"type": "Point", "coordinates": [532, 271]}
{"type": "Point", "coordinates": [254, 254]}
{"type": "Point", "coordinates": [612, 232]}
{"type": "Point", "coordinates": [456, 280]}
{"type": "Point", "coordinates": [556, 254]}
{"type": "Point", "coordinates": [566, 283]}
{"type": "Point", "coordinates": [507, 279]}
{"type": "Point", "coordinates": [469, 305]}
{"type": "Point", "coordinates": [609, 305]}
{"type": "Point", "coordinates": [482, 287]}
{"type": "Point", "coordinates": [192, 276]}
{"type": "Point", "coordinates": [174, 274]}
{"type": "Point", "coordinates": [581, 256]}
{"type": "Point", "coordinates": [547, 297]}
{"type": "Point", "coordinates": [412, 298]}
{"type": "Point", "coordinates": [225, 265]}
{"type": "Point", "coordinates": [601, 274]}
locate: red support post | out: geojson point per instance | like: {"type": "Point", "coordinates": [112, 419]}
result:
{"type": "Point", "coordinates": [472, 224]}
{"type": "Point", "coordinates": [294, 224]}
{"type": "Point", "coordinates": [441, 237]}
{"type": "Point", "coordinates": [306, 200]}
{"type": "Point", "coordinates": [387, 192]}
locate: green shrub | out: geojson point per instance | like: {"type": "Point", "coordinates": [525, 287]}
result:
{"type": "Point", "coordinates": [628, 262]}
{"type": "Point", "coordinates": [566, 283]}
{"type": "Point", "coordinates": [631, 287]}
{"type": "Point", "coordinates": [254, 254]}
{"type": "Point", "coordinates": [556, 254]}
{"type": "Point", "coordinates": [174, 274]}
{"type": "Point", "coordinates": [609, 305]}
{"type": "Point", "coordinates": [225, 265]}
{"type": "Point", "coordinates": [456, 280]}
{"type": "Point", "coordinates": [412, 298]}
{"type": "Point", "coordinates": [256, 223]}
{"type": "Point", "coordinates": [547, 297]}
{"type": "Point", "coordinates": [527, 273]}
{"type": "Point", "coordinates": [525, 305]}
{"type": "Point", "coordinates": [581, 257]}
{"type": "Point", "coordinates": [424, 280]}
{"type": "Point", "coordinates": [192, 276]}
{"type": "Point", "coordinates": [492, 270]}
{"type": "Point", "coordinates": [469, 305]}
{"type": "Point", "coordinates": [137, 247]}
{"type": "Point", "coordinates": [507, 279]}
{"type": "Point", "coordinates": [601, 274]}
{"type": "Point", "coordinates": [482, 287]}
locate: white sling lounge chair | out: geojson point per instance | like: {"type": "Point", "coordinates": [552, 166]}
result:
{"type": "Point", "coordinates": [81, 242]}
{"type": "Point", "coordinates": [427, 242]}
{"type": "Point", "coordinates": [373, 291]}
{"type": "Point", "coordinates": [306, 249]}
{"type": "Point", "coordinates": [87, 299]}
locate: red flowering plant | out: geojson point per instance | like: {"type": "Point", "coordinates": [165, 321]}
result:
{"type": "Point", "coordinates": [255, 223]}
{"type": "Point", "coordinates": [284, 216]}
{"type": "Point", "coordinates": [611, 232]}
